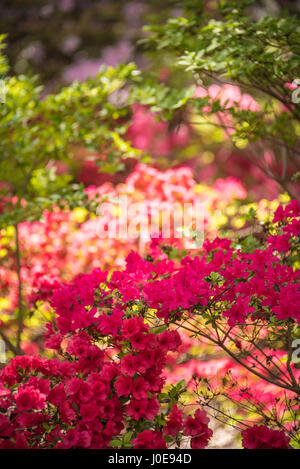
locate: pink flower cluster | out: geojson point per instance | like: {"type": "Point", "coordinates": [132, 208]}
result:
{"type": "Point", "coordinates": [60, 246]}
{"type": "Point", "coordinates": [110, 375]}
{"type": "Point", "coordinates": [262, 437]}
{"type": "Point", "coordinates": [147, 134]}
{"type": "Point", "coordinates": [107, 382]}
{"type": "Point", "coordinates": [228, 95]}
{"type": "Point", "coordinates": [251, 284]}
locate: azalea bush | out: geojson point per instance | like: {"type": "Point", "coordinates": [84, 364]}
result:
{"type": "Point", "coordinates": [113, 333]}
{"type": "Point", "coordinates": [261, 327]}
{"type": "Point", "coordinates": [109, 379]}
{"type": "Point", "coordinates": [64, 243]}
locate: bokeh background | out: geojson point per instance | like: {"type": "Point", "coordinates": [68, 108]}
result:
{"type": "Point", "coordinates": [66, 40]}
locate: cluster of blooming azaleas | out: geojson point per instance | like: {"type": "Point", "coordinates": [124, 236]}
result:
{"type": "Point", "coordinates": [262, 437]}
{"type": "Point", "coordinates": [107, 386]}
{"type": "Point", "coordinates": [64, 244]}
{"type": "Point", "coordinates": [247, 279]}
{"type": "Point", "coordinates": [110, 379]}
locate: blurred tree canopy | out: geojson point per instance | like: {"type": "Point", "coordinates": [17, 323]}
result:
{"type": "Point", "coordinates": [48, 36]}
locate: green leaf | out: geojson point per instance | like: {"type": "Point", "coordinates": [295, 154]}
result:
{"type": "Point", "coordinates": [116, 444]}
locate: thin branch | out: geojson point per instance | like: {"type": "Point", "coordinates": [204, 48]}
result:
{"type": "Point", "coordinates": [8, 343]}
{"type": "Point", "coordinates": [20, 294]}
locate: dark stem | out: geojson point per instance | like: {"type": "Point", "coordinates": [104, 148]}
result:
{"type": "Point", "coordinates": [8, 343]}
{"type": "Point", "coordinates": [20, 297]}
{"type": "Point", "coordinates": [294, 389]}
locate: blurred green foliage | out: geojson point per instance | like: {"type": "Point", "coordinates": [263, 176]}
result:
{"type": "Point", "coordinates": [226, 46]}
{"type": "Point", "coordinates": [36, 131]}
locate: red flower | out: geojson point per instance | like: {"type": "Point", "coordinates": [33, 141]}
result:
{"type": "Point", "coordinates": [133, 326]}
{"type": "Point", "coordinates": [169, 340]}
{"type": "Point", "coordinates": [123, 385]}
{"type": "Point", "coordinates": [280, 243]}
{"type": "Point", "coordinates": [57, 395]}
{"type": "Point", "coordinates": [174, 423]}
{"type": "Point", "coordinates": [28, 398]}
{"type": "Point", "coordinates": [152, 409]}
{"type": "Point", "coordinates": [197, 427]}
{"type": "Point", "coordinates": [128, 365]}
{"type": "Point", "coordinates": [136, 409]}
{"type": "Point", "coordinates": [149, 440]}
{"type": "Point", "coordinates": [262, 437]}
{"type": "Point", "coordinates": [140, 388]}
{"type": "Point", "coordinates": [141, 341]}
